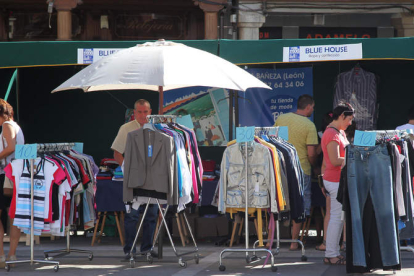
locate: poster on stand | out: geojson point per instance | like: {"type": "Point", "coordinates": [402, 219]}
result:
{"type": "Point", "coordinates": [209, 111]}
{"type": "Point", "coordinates": [261, 107]}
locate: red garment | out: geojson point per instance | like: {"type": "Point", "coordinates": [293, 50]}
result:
{"type": "Point", "coordinates": [104, 177]}
{"type": "Point", "coordinates": [9, 173]}
{"type": "Point", "coordinates": [84, 176]}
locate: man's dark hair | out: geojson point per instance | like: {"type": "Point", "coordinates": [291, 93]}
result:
{"type": "Point", "coordinates": [142, 102]}
{"type": "Point", "coordinates": [304, 100]}
{"type": "Point", "coordinates": [411, 113]}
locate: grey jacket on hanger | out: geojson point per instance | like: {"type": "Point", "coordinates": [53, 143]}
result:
{"type": "Point", "coordinates": [150, 164]}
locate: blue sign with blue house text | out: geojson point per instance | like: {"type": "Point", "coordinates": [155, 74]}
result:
{"type": "Point", "coordinates": [261, 107]}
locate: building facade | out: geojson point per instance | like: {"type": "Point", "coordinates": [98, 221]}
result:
{"type": "Point", "coordinates": [92, 20]}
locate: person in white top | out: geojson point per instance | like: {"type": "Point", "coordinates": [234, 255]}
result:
{"type": "Point", "coordinates": [10, 136]}
{"type": "Point", "coordinates": [410, 124]}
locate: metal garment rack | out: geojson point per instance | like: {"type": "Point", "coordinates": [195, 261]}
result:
{"type": "Point", "coordinates": [304, 258]}
{"type": "Point", "coordinates": [254, 258]}
{"type": "Point", "coordinates": [155, 119]}
{"type": "Point", "coordinates": [67, 250]}
{"type": "Point", "coordinates": [148, 253]}
{"type": "Point", "coordinates": [32, 260]}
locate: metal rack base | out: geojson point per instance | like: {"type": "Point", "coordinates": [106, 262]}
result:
{"type": "Point", "coordinates": [67, 250]}
{"type": "Point", "coordinates": [181, 262]}
{"type": "Point", "coordinates": [251, 259]}
{"type": "Point", "coordinates": [9, 263]}
{"type": "Point", "coordinates": [278, 241]}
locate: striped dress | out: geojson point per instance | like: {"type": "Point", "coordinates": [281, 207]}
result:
{"type": "Point", "coordinates": [23, 205]}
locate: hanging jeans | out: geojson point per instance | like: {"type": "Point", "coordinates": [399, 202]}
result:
{"type": "Point", "coordinates": [369, 172]}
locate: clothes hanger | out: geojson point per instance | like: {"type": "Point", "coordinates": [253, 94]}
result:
{"type": "Point", "coordinates": [357, 68]}
{"type": "Point", "coordinates": [149, 125]}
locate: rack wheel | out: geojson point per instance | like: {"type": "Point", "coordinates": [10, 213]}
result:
{"type": "Point", "coordinates": [46, 256]}
{"type": "Point", "coordinates": [304, 258]}
{"type": "Point", "coordinates": [197, 258]}
{"type": "Point", "coordinates": [56, 268]}
{"type": "Point", "coordinates": [253, 259]}
{"type": "Point", "coordinates": [7, 268]}
{"type": "Point", "coordinates": [222, 268]}
{"type": "Point", "coordinates": [90, 257]}
{"type": "Point", "coordinates": [150, 259]}
{"type": "Point", "coordinates": [183, 264]}
{"type": "Point", "coordinates": [274, 268]}
{"type": "Point", "coordinates": [247, 259]}
{"type": "Point", "coordinates": [132, 264]}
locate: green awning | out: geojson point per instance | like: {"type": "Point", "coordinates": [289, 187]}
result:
{"type": "Point", "coordinates": [52, 53]}
{"type": "Point", "coordinates": [49, 53]}
{"type": "Point", "coordinates": [271, 51]}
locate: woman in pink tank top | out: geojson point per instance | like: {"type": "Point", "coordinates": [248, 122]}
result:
{"type": "Point", "coordinates": [333, 144]}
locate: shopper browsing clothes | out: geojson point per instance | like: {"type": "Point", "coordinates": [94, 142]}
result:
{"type": "Point", "coordinates": [302, 135]}
{"type": "Point", "coordinates": [334, 142]}
{"type": "Point", "coordinates": [142, 108]}
{"type": "Point", "coordinates": [10, 136]}
{"type": "Point", "coordinates": [350, 132]}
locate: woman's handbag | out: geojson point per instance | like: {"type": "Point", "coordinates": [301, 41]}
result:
{"type": "Point", "coordinates": [321, 185]}
{"type": "Point", "coordinates": [8, 184]}
{"type": "Point", "coordinates": [320, 181]}
{"type": "Point", "coordinates": [7, 187]}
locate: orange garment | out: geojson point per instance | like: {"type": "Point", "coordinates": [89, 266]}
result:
{"type": "Point", "coordinates": [281, 199]}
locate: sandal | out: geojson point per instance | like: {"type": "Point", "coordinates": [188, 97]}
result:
{"type": "Point", "coordinates": [343, 247]}
{"type": "Point", "coordinates": [329, 261]}
{"type": "Point", "coordinates": [318, 247]}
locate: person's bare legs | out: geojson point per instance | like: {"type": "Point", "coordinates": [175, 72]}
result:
{"type": "Point", "coordinates": [326, 222]}
{"type": "Point", "coordinates": [14, 239]}
{"type": "Point", "coordinates": [295, 234]}
{"type": "Point", "coordinates": [1, 236]}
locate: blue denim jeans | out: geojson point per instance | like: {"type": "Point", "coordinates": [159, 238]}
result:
{"type": "Point", "coordinates": [307, 193]}
{"type": "Point", "coordinates": [369, 172]}
{"type": "Point", "coordinates": [149, 224]}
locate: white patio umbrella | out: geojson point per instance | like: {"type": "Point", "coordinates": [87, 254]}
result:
{"type": "Point", "coordinates": [160, 66]}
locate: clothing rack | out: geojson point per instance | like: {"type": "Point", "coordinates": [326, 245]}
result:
{"type": "Point", "coordinates": [391, 134]}
{"type": "Point", "coordinates": [254, 258]}
{"type": "Point", "coordinates": [62, 252]}
{"type": "Point", "coordinates": [154, 119]}
{"type": "Point", "coordinates": [268, 131]}
{"type": "Point", "coordinates": [401, 134]}
{"type": "Point", "coordinates": [161, 118]}
{"type": "Point", "coordinates": [32, 260]}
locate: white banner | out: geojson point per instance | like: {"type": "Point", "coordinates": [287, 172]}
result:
{"type": "Point", "coordinates": [91, 55]}
{"type": "Point", "coordinates": [322, 52]}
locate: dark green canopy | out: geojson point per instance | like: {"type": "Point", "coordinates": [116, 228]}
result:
{"type": "Point", "coordinates": [43, 53]}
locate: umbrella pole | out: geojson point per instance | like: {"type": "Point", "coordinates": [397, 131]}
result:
{"type": "Point", "coordinates": [161, 99]}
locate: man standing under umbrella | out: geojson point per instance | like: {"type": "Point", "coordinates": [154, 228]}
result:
{"type": "Point", "coordinates": [142, 108]}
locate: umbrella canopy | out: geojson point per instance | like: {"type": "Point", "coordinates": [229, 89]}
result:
{"type": "Point", "coordinates": [160, 66]}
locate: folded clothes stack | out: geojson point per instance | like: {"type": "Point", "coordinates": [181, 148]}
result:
{"type": "Point", "coordinates": [104, 175]}
{"type": "Point", "coordinates": [118, 175]}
